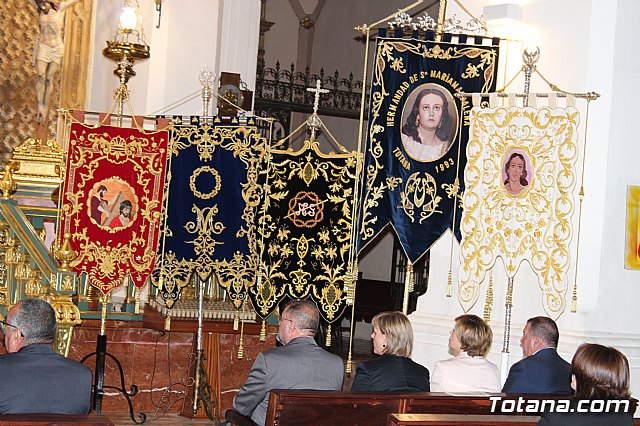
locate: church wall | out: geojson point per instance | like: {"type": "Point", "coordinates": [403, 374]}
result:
{"type": "Point", "coordinates": [576, 54]}
{"type": "Point", "coordinates": [281, 41]}
{"type": "Point", "coordinates": [158, 363]}
{"type": "Point", "coordinates": [221, 34]}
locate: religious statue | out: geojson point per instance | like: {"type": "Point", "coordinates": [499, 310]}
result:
{"type": "Point", "coordinates": [49, 49]}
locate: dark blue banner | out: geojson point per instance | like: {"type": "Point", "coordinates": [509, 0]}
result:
{"type": "Point", "coordinates": [209, 223]}
{"type": "Point", "coordinates": [417, 137]}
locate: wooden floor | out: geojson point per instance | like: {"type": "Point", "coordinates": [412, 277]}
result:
{"type": "Point", "coordinates": [173, 419]}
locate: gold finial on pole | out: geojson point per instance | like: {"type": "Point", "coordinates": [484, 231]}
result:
{"type": "Point", "coordinates": [65, 253]}
{"type": "Point", "coordinates": [442, 12]}
{"type": "Point", "coordinates": [207, 77]}
{"type": "Point", "coordinates": [530, 59]}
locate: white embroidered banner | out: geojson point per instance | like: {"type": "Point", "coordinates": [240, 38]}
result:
{"type": "Point", "coordinates": [518, 202]}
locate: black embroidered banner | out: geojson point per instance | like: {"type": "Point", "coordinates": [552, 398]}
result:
{"type": "Point", "coordinates": [212, 195]}
{"type": "Point", "coordinates": [415, 154]}
{"type": "Point", "coordinates": [305, 229]}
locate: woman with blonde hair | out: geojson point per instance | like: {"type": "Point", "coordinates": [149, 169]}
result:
{"type": "Point", "coordinates": [469, 371]}
{"type": "Point", "coordinates": [393, 370]}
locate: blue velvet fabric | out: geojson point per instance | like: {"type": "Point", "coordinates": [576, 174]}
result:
{"type": "Point", "coordinates": [209, 225]}
{"type": "Point", "coordinates": [416, 196]}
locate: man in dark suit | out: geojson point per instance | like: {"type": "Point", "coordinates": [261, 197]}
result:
{"type": "Point", "coordinates": [299, 364]}
{"type": "Point", "coordinates": [542, 371]}
{"type": "Point", "coordinates": [33, 378]}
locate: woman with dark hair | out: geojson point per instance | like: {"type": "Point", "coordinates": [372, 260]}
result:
{"type": "Point", "coordinates": [516, 170]}
{"type": "Point", "coordinates": [600, 379]}
{"type": "Point", "coordinates": [469, 371]}
{"type": "Point", "coordinates": [393, 370]}
{"type": "Point", "coordinates": [427, 133]}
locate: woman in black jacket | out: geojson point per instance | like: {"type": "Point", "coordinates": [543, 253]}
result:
{"type": "Point", "coordinates": [393, 371]}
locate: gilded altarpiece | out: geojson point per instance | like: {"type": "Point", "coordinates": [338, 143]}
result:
{"type": "Point", "coordinates": [19, 30]}
{"type": "Point", "coordinates": [212, 193]}
{"type": "Point", "coordinates": [518, 204]}
{"type": "Point", "coordinates": [305, 223]}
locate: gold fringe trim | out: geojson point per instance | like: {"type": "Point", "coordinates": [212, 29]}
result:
{"type": "Point", "coordinates": [489, 301]}
{"type": "Point", "coordinates": [241, 348]}
{"type": "Point", "coordinates": [263, 331]}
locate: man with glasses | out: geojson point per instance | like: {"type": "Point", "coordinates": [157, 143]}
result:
{"type": "Point", "coordinates": [33, 378]}
{"type": "Point", "coordinates": [299, 364]}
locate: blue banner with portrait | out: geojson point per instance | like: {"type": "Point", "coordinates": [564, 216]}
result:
{"type": "Point", "coordinates": [212, 193]}
{"type": "Point", "coordinates": [417, 136]}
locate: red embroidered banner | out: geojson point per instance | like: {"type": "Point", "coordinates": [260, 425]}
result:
{"type": "Point", "coordinates": [112, 200]}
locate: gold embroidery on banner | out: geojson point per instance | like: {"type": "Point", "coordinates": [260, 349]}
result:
{"type": "Point", "coordinates": [421, 194]}
{"type": "Point", "coordinates": [386, 55]}
{"type": "Point", "coordinates": [534, 225]}
{"type": "Point", "coordinates": [238, 273]}
{"type": "Point", "coordinates": [216, 177]}
{"type": "Point", "coordinates": [104, 148]}
{"type": "Point", "coordinates": [174, 276]}
{"type": "Point", "coordinates": [204, 230]}
{"type": "Point", "coordinates": [319, 255]}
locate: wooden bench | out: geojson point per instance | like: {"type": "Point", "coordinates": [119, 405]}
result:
{"type": "Point", "coordinates": [54, 419]}
{"type": "Point", "coordinates": [300, 407]}
{"type": "Point", "coordinates": [466, 419]}
{"type": "Point", "coordinates": [458, 419]}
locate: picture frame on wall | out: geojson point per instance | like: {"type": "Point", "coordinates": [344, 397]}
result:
{"type": "Point", "coordinates": [632, 233]}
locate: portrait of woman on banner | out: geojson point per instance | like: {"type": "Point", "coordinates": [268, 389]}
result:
{"type": "Point", "coordinates": [516, 173]}
{"type": "Point", "coordinates": [430, 122]}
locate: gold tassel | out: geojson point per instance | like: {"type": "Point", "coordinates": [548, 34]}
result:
{"type": "Point", "coordinates": [236, 322]}
{"type": "Point", "coordinates": [449, 283]}
{"type": "Point", "coordinates": [349, 367]}
{"type": "Point", "coordinates": [241, 348]}
{"type": "Point", "coordinates": [489, 301]}
{"type": "Point", "coordinates": [574, 299]}
{"type": "Point", "coordinates": [407, 285]}
{"type": "Point", "coordinates": [263, 331]}
{"type": "Point", "coordinates": [353, 281]}
{"type": "Point", "coordinates": [167, 321]}
{"type": "Point", "coordinates": [412, 280]}
{"type": "Point", "coordinates": [137, 306]}
{"type": "Point", "coordinates": [327, 342]}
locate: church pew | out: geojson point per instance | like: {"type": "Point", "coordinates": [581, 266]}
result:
{"type": "Point", "coordinates": [54, 419]}
{"type": "Point", "coordinates": [306, 407]}
{"type": "Point", "coordinates": [300, 407]}
{"type": "Point", "coordinates": [466, 419]}
{"type": "Point", "coordinates": [458, 419]}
